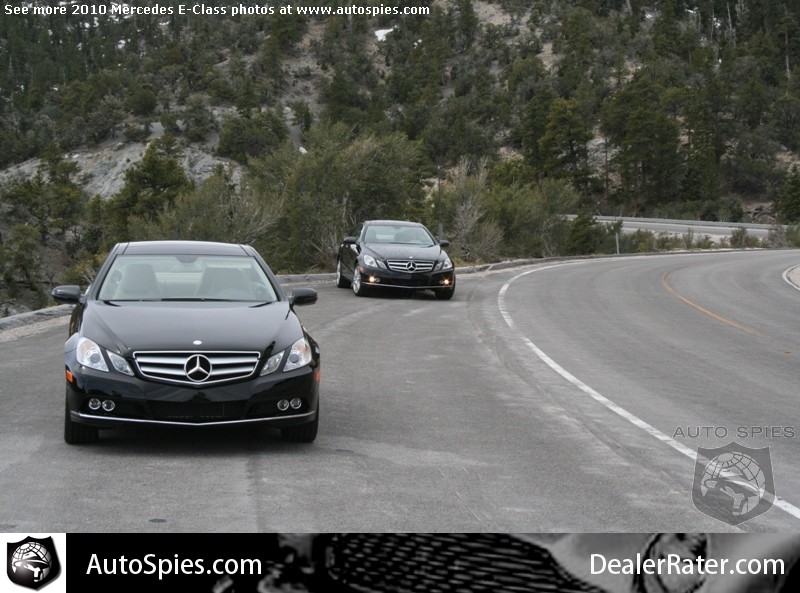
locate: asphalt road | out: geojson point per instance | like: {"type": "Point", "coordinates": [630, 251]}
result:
{"type": "Point", "coordinates": [544, 398]}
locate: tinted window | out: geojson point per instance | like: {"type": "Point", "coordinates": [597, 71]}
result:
{"type": "Point", "coordinates": [403, 234]}
{"type": "Point", "coordinates": [189, 277]}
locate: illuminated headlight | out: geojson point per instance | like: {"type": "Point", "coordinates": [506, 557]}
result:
{"type": "Point", "coordinates": [272, 364]}
{"type": "Point", "coordinates": [90, 355]}
{"type": "Point", "coordinates": [445, 264]}
{"type": "Point", "coordinates": [299, 355]}
{"type": "Point", "coordinates": [120, 364]}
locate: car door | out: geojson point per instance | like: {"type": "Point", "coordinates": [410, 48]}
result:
{"type": "Point", "coordinates": [348, 253]}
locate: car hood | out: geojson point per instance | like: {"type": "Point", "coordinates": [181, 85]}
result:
{"type": "Point", "coordinates": [133, 326]}
{"type": "Point", "coordinates": [397, 251]}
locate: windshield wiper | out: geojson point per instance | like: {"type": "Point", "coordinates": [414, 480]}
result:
{"type": "Point", "coordinates": [262, 304]}
{"type": "Point", "coordinates": [199, 299]}
{"type": "Point", "coordinates": [214, 300]}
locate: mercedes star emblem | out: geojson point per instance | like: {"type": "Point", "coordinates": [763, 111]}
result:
{"type": "Point", "coordinates": [197, 368]}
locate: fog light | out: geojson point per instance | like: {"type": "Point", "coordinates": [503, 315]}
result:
{"type": "Point", "coordinates": [109, 405]}
{"type": "Point", "coordinates": [296, 403]}
{"type": "Point", "coordinates": [283, 405]}
{"type": "Point", "coordinates": [446, 281]}
{"type": "Point", "coordinates": [94, 404]}
{"type": "Point", "coordinates": [374, 279]}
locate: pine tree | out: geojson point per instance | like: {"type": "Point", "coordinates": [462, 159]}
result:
{"type": "Point", "coordinates": [150, 186]}
{"type": "Point", "coordinates": [787, 205]}
{"type": "Point", "coordinates": [564, 144]}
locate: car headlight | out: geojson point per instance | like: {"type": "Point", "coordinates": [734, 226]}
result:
{"type": "Point", "coordinates": [120, 364]}
{"type": "Point", "coordinates": [272, 364]}
{"type": "Point", "coordinates": [445, 264]}
{"type": "Point", "coordinates": [90, 355]}
{"type": "Point", "coordinates": [299, 355]}
{"type": "Point", "coordinates": [370, 261]}
{"type": "Point", "coordinates": [373, 263]}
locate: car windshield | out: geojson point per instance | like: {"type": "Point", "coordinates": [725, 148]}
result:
{"type": "Point", "coordinates": [186, 278]}
{"type": "Point", "coordinates": [404, 234]}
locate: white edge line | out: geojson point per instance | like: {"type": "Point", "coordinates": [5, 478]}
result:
{"type": "Point", "coordinates": [620, 411]}
{"type": "Point", "coordinates": [786, 277]}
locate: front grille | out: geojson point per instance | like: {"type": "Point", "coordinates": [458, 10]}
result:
{"type": "Point", "coordinates": [406, 265]}
{"type": "Point", "coordinates": [196, 368]}
{"type": "Point", "coordinates": [446, 563]}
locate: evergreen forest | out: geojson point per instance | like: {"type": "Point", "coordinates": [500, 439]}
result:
{"type": "Point", "coordinates": [487, 120]}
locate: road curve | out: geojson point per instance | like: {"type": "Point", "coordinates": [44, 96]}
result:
{"type": "Point", "coordinates": [438, 416]}
{"type": "Point", "coordinates": [700, 349]}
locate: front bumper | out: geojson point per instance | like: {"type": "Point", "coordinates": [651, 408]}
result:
{"type": "Point", "coordinates": [380, 278]}
{"type": "Point", "coordinates": [137, 401]}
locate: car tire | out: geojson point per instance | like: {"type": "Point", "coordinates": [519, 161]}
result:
{"type": "Point", "coordinates": [341, 281]}
{"type": "Point", "coordinates": [304, 433]}
{"type": "Point", "coordinates": [445, 294]}
{"type": "Point", "coordinates": [78, 434]}
{"type": "Point", "coordinates": [358, 287]}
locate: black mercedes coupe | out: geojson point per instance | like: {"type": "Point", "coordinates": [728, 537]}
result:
{"type": "Point", "coordinates": [395, 254]}
{"type": "Point", "coordinates": [188, 333]}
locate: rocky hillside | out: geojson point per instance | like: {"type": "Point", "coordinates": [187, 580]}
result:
{"type": "Point", "coordinates": [485, 118]}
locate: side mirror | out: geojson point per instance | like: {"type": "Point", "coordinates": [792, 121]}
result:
{"type": "Point", "coordinates": [444, 243]}
{"type": "Point", "coordinates": [70, 294]}
{"type": "Point", "coordinates": [350, 240]}
{"type": "Point", "coordinates": [303, 296]}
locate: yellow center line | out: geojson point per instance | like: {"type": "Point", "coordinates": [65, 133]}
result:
{"type": "Point", "coordinates": [665, 283]}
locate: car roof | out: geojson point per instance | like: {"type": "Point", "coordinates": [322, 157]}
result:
{"type": "Point", "coordinates": [393, 222]}
{"type": "Point", "coordinates": [183, 248]}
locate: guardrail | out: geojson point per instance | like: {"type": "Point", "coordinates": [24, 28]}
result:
{"type": "Point", "coordinates": [711, 223]}
{"type": "Point", "coordinates": [57, 311]}
{"type": "Point", "coordinates": [686, 223]}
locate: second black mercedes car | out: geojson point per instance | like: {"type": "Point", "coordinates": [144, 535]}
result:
{"type": "Point", "coordinates": [395, 254]}
{"type": "Point", "coordinates": [187, 333]}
